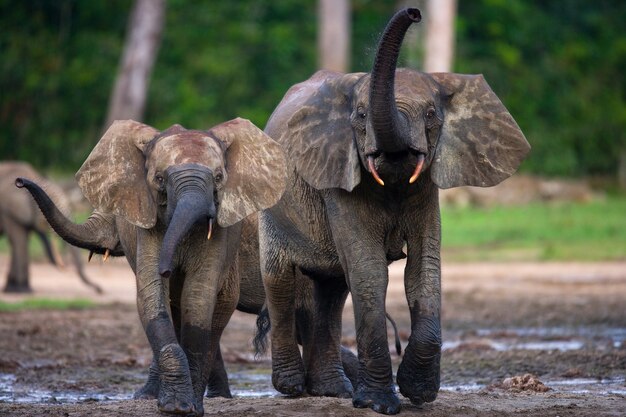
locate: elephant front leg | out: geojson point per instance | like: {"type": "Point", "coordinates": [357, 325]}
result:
{"type": "Point", "coordinates": [175, 394]}
{"type": "Point", "coordinates": [375, 387]}
{"type": "Point", "coordinates": [419, 373]}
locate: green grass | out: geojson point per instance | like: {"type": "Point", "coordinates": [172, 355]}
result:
{"type": "Point", "coordinates": [45, 304]}
{"type": "Point", "coordinates": [594, 231]}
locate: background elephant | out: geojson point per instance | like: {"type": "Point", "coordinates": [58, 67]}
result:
{"type": "Point", "coordinates": [367, 153]}
{"type": "Point", "coordinates": [19, 216]}
{"type": "Point", "coordinates": [166, 190]}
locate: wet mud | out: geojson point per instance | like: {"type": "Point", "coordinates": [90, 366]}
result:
{"type": "Point", "coordinates": [541, 339]}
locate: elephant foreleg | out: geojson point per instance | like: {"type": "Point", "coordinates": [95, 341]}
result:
{"type": "Point", "coordinates": [175, 394]}
{"type": "Point", "coordinates": [419, 373]}
{"type": "Point", "coordinates": [224, 308]}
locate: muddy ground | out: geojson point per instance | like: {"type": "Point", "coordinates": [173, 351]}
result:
{"type": "Point", "coordinates": [542, 339]}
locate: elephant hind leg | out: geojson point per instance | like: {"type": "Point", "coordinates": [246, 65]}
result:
{"type": "Point", "coordinates": [322, 342]}
{"type": "Point", "coordinates": [150, 390]}
{"type": "Point", "coordinates": [287, 367]}
{"type": "Point", "coordinates": [17, 279]}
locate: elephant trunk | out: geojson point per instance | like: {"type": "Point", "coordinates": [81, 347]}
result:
{"type": "Point", "coordinates": [193, 203]}
{"type": "Point", "coordinates": [88, 235]}
{"type": "Point", "coordinates": [389, 126]}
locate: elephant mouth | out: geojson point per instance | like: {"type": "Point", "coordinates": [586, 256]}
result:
{"type": "Point", "coordinates": [396, 159]}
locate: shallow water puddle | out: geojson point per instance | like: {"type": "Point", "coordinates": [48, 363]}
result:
{"type": "Point", "coordinates": [249, 384]}
{"type": "Point", "coordinates": [542, 338]}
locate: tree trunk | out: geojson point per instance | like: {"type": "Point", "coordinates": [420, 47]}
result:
{"type": "Point", "coordinates": [140, 50]}
{"type": "Point", "coordinates": [439, 50]}
{"type": "Point", "coordinates": [334, 35]}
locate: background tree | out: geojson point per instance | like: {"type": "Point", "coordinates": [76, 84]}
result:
{"type": "Point", "coordinates": [333, 35]}
{"type": "Point", "coordinates": [558, 67]}
{"type": "Point", "coordinates": [439, 42]}
{"type": "Point", "coordinates": [140, 51]}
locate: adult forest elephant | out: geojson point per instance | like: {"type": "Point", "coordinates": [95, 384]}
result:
{"type": "Point", "coordinates": [19, 216]}
{"type": "Point", "coordinates": [367, 153]}
{"type": "Point", "coordinates": [165, 190]}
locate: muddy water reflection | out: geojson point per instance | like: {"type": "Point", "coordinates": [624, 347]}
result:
{"type": "Point", "coordinates": [253, 380]}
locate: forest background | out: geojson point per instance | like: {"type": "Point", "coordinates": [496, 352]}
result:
{"type": "Point", "coordinates": [557, 66]}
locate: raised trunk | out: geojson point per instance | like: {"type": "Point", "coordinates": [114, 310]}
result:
{"type": "Point", "coordinates": [88, 235]}
{"type": "Point", "coordinates": [390, 128]}
{"type": "Point", "coordinates": [191, 208]}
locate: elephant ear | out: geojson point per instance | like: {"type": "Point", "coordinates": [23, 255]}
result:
{"type": "Point", "coordinates": [256, 171]}
{"type": "Point", "coordinates": [318, 137]}
{"type": "Point", "coordinates": [480, 143]}
{"type": "Point", "coordinates": [113, 178]}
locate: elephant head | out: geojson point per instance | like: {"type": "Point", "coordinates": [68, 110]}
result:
{"type": "Point", "coordinates": [175, 180]}
{"type": "Point", "coordinates": [398, 123]}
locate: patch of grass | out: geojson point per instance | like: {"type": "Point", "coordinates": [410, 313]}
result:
{"type": "Point", "coordinates": [593, 231]}
{"type": "Point", "coordinates": [45, 304]}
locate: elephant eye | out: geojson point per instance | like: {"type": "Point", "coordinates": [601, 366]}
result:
{"type": "Point", "coordinates": [361, 113]}
{"type": "Point", "coordinates": [431, 113]}
{"type": "Point", "coordinates": [219, 177]}
{"type": "Point", "coordinates": [159, 179]}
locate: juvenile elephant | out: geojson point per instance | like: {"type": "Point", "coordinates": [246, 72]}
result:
{"type": "Point", "coordinates": [367, 153]}
{"type": "Point", "coordinates": [166, 189]}
{"type": "Point", "coordinates": [19, 216]}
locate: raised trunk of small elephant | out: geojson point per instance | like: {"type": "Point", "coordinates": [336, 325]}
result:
{"type": "Point", "coordinates": [390, 127]}
{"type": "Point", "coordinates": [87, 235]}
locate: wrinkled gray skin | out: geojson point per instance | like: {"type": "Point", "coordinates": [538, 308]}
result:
{"type": "Point", "coordinates": [156, 196]}
{"type": "Point", "coordinates": [340, 227]}
{"type": "Point", "coordinates": [19, 216]}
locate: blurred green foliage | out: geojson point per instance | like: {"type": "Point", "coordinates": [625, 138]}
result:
{"type": "Point", "coordinates": [565, 231]}
{"type": "Point", "coordinates": [556, 65]}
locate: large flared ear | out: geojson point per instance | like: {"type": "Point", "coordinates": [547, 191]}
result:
{"type": "Point", "coordinates": [113, 178]}
{"type": "Point", "coordinates": [480, 143]}
{"type": "Point", "coordinates": [256, 171]}
{"type": "Point", "coordinates": [320, 141]}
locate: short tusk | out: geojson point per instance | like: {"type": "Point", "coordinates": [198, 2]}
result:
{"type": "Point", "coordinates": [370, 163]}
{"type": "Point", "coordinates": [418, 168]}
{"type": "Point", "coordinates": [208, 236]}
{"type": "Point", "coordinates": [90, 256]}
{"type": "Point", "coordinates": [105, 257]}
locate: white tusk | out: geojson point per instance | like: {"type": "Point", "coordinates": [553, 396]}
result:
{"type": "Point", "coordinates": [418, 168]}
{"type": "Point", "coordinates": [208, 236]}
{"type": "Point", "coordinates": [370, 163]}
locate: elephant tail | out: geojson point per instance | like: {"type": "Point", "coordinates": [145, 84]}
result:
{"type": "Point", "coordinates": [263, 326]}
{"type": "Point", "coordinates": [395, 333]}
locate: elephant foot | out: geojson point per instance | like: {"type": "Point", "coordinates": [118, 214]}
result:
{"type": "Point", "coordinates": [418, 375]}
{"type": "Point", "coordinates": [418, 386]}
{"type": "Point", "coordinates": [215, 390]}
{"type": "Point", "coordinates": [383, 401]}
{"type": "Point", "coordinates": [17, 289]}
{"type": "Point", "coordinates": [350, 364]}
{"type": "Point", "coordinates": [335, 385]}
{"type": "Point", "coordinates": [289, 382]}
{"type": "Point", "coordinates": [176, 395]}
{"type": "Point", "coordinates": [150, 390]}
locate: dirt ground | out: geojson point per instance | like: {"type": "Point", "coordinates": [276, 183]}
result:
{"type": "Point", "coordinates": [541, 339]}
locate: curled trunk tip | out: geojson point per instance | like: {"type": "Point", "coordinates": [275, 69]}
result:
{"type": "Point", "coordinates": [413, 14]}
{"type": "Point", "coordinates": [389, 127]}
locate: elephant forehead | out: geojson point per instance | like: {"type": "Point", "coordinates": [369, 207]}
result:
{"type": "Point", "coordinates": [408, 83]}
{"type": "Point", "coordinates": [188, 147]}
